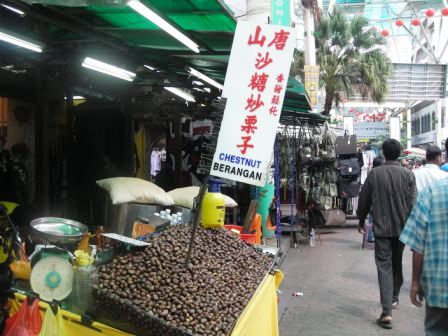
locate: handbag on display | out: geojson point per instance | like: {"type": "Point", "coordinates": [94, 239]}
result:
{"type": "Point", "coordinates": [349, 168]}
{"type": "Point", "coordinates": [348, 188]}
{"type": "Point", "coordinates": [345, 145]}
{"type": "Point", "coordinates": [328, 151]}
{"type": "Point", "coordinates": [326, 202]}
{"type": "Point", "coordinates": [305, 146]}
{"type": "Point", "coordinates": [330, 187]}
{"type": "Point", "coordinates": [334, 217]}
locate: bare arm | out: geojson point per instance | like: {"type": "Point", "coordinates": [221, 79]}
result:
{"type": "Point", "coordinates": [416, 289]}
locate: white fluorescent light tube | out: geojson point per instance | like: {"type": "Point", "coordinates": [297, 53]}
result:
{"type": "Point", "coordinates": [19, 42]}
{"type": "Point", "coordinates": [156, 19]}
{"type": "Point", "coordinates": [198, 83]}
{"type": "Point", "coordinates": [205, 78]}
{"type": "Point", "coordinates": [77, 98]}
{"type": "Point", "coordinates": [13, 9]}
{"type": "Point", "coordinates": [181, 93]}
{"type": "Point", "coordinates": [108, 69]}
{"type": "Point", "coordinates": [149, 67]}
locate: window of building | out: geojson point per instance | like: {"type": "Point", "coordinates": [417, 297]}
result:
{"type": "Point", "coordinates": [434, 121]}
{"type": "Point", "coordinates": [443, 115]}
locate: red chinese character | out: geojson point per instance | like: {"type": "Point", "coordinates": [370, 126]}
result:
{"type": "Point", "coordinates": [273, 110]}
{"type": "Point", "coordinates": [275, 100]}
{"type": "Point", "coordinates": [279, 40]}
{"type": "Point", "coordinates": [245, 145]}
{"type": "Point", "coordinates": [278, 88]}
{"type": "Point", "coordinates": [249, 127]}
{"type": "Point", "coordinates": [258, 81]}
{"type": "Point", "coordinates": [280, 78]}
{"type": "Point", "coordinates": [256, 39]}
{"type": "Point", "coordinates": [263, 61]}
{"type": "Point", "coordinates": [253, 104]}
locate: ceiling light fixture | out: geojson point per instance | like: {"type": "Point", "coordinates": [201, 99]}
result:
{"type": "Point", "coordinates": [181, 93]}
{"type": "Point", "coordinates": [198, 83]}
{"type": "Point", "coordinates": [10, 38]}
{"type": "Point", "coordinates": [207, 89]}
{"type": "Point", "coordinates": [205, 78]}
{"type": "Point", "coordinates": [159, 21]}
{"type": "Point", "coordinates": [76, 98]}
{"type": "Point", "coordinates": [108, 69]}
{"type": "Point", "coordinates": [149, 67]}
{"type": "Point", "coordinates": [13, 9]}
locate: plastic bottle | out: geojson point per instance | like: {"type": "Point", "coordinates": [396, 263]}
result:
{"type": "Point", "coordinates": [312, 238]}
{"type": "Point", "coordinates": [213, 206]}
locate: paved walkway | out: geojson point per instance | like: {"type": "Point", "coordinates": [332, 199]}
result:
{"type": "Point", "coordinates": [340, 291]}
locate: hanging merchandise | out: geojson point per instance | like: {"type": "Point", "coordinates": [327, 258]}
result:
{"type": "Point", "coordinates": [53, 324]}
{"type": "Point", "coordinates": [445, 11]}
{"type": "Point", "coordinates": [349, 168]}
{"type": "Point", "coordinates": [26, 322]}
{"type": "Point", "coordinates": [327, 148]}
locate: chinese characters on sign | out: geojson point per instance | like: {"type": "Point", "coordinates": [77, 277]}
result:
{"type": "Point", "coordinates": [312, 82]}
{"type": "Point", "coordinates": [255, 86]}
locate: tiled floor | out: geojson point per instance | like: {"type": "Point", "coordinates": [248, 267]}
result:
{"type": "Point", "coordinates": [340, 291]}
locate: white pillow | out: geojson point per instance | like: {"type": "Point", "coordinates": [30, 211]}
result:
{"type": "Point", "coordinates": [131, 189]}
{"type": "Point", "coordinates": [185, 197]}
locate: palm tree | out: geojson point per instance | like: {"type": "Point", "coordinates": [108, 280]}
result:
{"type": "Point", "coordinates": [351, 57]}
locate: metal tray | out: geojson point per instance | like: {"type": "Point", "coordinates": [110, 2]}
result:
{"type": "Point", "coordinates": [59, 230]}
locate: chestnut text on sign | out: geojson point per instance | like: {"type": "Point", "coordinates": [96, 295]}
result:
{"type": "Point", "coordinates": [255, 86]}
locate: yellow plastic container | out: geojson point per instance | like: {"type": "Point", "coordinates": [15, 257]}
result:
{"type": "Point", "coordinates": [213, 206]}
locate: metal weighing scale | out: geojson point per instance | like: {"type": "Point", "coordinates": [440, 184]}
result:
{"type": "Point", "coordinates": [51, 267]}
{"type": "Point", "coordinates": [52, 274]}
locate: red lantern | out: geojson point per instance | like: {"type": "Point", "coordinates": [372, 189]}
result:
{"type": "Point", "coordinates": [384, 33]}
{"type": "Point", "coordinates": [445, 11]}
{"type": "Point", "coordinates": [430, 12]}
{"type": "Point", "coordinates": [415, 22]}
{"type": "Point", "coordinates": [399, 23]}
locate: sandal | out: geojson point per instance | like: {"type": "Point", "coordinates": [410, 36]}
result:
{"type": "Point", "coordinates": [385, 321]}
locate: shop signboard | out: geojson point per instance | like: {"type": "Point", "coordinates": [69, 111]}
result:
{"type": "Point", "coordinates": [281, 12]}
{"type": "Point", "coordinates": [370, 130]}
{"type": "Point", "coordinates": [312, 82]}
{"type": "Point", "coordinates": [255, 86]}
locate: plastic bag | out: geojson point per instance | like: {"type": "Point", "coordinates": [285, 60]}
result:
{"type": "Point", "coordinates": [53, 324]}
{"type": "Point", "coordinates": [26, 322]}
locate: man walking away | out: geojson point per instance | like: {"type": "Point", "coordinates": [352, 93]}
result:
{"type": "Point", "coordinates": [445, 166]}
{"type": "Point", "coordinates": [389, 191]}
{"type": "Point", "coordinates": [431, 171]}
{"type": "Point", "coordinates": [426, 233]}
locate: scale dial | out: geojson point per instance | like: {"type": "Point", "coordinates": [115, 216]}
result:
{"type": "Point", "coordinates": [52, 278]}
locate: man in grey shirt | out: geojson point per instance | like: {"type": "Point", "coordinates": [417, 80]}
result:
{"type": "Point", "coordinates": [389, 191]}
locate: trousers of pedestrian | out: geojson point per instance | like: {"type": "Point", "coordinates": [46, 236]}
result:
{"type": "Point", "coordinates": [388, 259]}
{"type": "Point", "coordinates": [436, 321]}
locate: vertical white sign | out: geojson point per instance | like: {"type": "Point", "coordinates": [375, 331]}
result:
{"type": "Point", "coordinates": [395, 128]}
{"type": "Point", "coordinates": [255, 86]}
{"type": "Point", "coordinates": [349, 126]}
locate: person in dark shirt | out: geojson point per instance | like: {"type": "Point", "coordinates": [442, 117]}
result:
{"type": "Point", "coordinates": [389, 193]}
